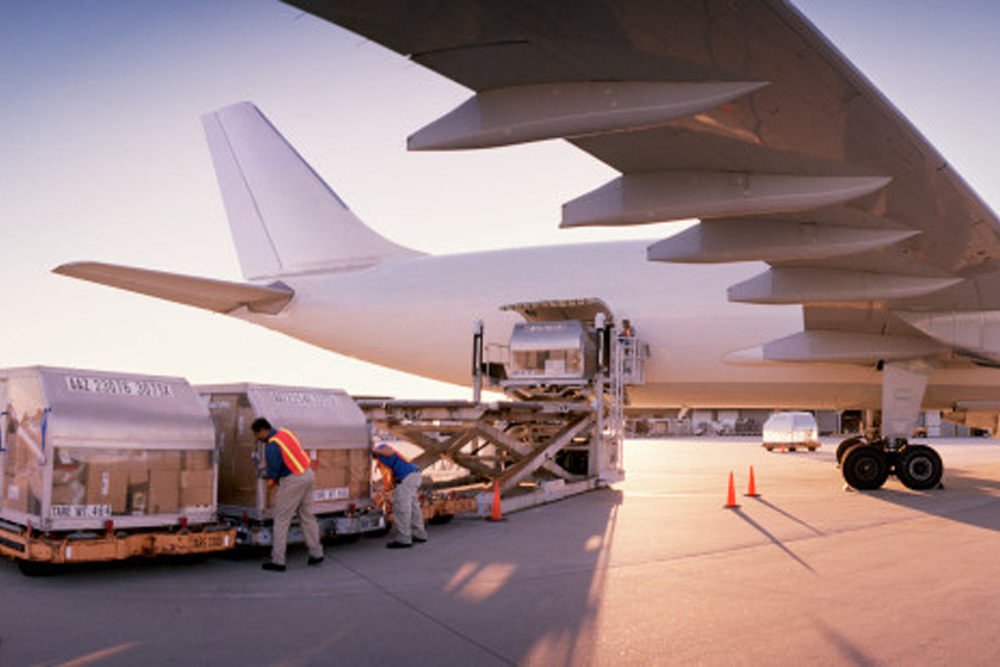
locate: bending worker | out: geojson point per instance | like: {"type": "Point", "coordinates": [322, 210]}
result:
{"type": "Point", "coordinates": [406, 511]}
{"type": "Point", "coordinates": [288, 467]}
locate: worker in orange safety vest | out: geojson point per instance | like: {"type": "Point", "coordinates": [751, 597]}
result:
{"type": "Point", "coordinates": [288, 467]}
{"type": "Point", "coordinates": [404, 479]}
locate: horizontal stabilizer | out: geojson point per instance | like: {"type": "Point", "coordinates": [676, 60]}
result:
{"type": "Point", "coordinates": [219, 296]}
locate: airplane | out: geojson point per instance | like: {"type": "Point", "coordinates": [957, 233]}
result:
{"type": "Point", "coordinates": [839, 261]}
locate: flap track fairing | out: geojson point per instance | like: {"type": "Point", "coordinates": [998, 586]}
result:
{"type": "Point", "coordinates": [534, 112]}
{"type": "Point", "coordinates": [641, 198]}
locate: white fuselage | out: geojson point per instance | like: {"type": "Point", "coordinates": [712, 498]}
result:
{"type": "Point", "coordinates": [417, 315]}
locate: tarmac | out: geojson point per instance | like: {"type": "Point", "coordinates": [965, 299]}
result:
{"type": "Point", "coordinates": [653, 571]}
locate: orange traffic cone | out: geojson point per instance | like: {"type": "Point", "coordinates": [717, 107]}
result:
{"type": "Point", "coordinates": [782, 448]}
{"type": "Point", "coordinates": [497, 514]}
{"type": "Point", "coordinates": [752, 486]}
{"type": "Point", "coordinates": [731, 498]}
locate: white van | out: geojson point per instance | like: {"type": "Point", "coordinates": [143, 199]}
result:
{"type": "Point", "coordinates": [791, 430]}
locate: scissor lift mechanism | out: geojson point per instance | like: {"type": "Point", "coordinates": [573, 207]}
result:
{"type": "Point", "coordinates": [559, 436]}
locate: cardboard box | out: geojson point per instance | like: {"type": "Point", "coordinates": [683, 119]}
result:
{"type": "Point", "coordinates": [332, 468]}
{"type": "Point", "coordinates": [361, 466]}
{"type": "Point", "coordinates": [196, 459]}
{"type": "Point", "coordinates": [164, 492]}
{"type": "Point", "coordinates": [15, 493]}
{"type": "Point", "coordinates": [163, 459]}
{"type": "Point", "coordinates": [196, 488]}
{"type": "Point", "coordinates": [72, 493]}
{"type": "Point", "coordinates": [138, 491]}
{"type": "Point", "coordinates": [107, 484]}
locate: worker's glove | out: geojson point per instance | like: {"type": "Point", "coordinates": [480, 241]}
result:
{"type": "Point", "coordinates": [255, 457]}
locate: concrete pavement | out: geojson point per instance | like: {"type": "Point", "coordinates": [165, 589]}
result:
{"type": "Point", "coordinates": [654, 572]}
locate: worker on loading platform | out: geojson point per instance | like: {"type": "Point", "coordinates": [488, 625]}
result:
{"type": "Point", "coordinates": [288, 467]}
{"type": "Point", "coordinates": [406, 512]}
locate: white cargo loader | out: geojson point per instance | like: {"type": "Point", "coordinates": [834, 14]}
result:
{"type": "Point", "coordinates": [332, 430]}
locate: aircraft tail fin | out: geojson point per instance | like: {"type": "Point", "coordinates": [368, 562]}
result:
{"type": "Point", "coordinates": [284, 218]}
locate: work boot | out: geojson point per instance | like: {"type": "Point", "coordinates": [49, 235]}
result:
{"type": "Point", "coordinates": [398, 545]}
{"type": "Point", "coordinates": [273, 567]}
{"type": "Point", "coordinates": [314, 560]}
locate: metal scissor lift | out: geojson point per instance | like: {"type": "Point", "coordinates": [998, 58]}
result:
{"type": "Point", "coordinates": [560, 431]}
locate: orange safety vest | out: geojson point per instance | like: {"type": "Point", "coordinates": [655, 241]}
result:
{"type": "Point", "coordinates": [291, 451]}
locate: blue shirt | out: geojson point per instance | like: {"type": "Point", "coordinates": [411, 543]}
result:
{"type": "Point", "coordinates": [276, 468]}
{"type": "Point", "coordinates": [399, 466]}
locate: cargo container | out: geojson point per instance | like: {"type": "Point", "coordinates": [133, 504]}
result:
{"type": "Point", "coordinates": [102, 466]}
{"type": "Point", "coordinates": [556, 352]}
{"type": "Point", "coordinates": [791, 430]}
{"type": "Point", "coordinates": [331, 428]}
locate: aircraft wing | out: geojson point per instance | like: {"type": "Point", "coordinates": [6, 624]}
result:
{"type": "Point", "coordinates": [216, 295]}
{"type": "Point", "coordinates": [739, 113]}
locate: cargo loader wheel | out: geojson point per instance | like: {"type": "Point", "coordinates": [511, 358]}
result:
{"type": "Point", "coordinates": [919, 467]}
{"type": "Point", "coordinates": [865, 467]}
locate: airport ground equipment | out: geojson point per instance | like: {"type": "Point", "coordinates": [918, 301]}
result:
{"type": "Point", "coordinates": [331, 428]}
{"type": "Point", "coordinates": [565, 373]}
{"type": "Point", "coordinates": [103, 466]}
{"type": "Point", "coordinates": [791, 430]}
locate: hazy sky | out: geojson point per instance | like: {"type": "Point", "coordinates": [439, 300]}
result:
{"type": "Point", "coordinates": [102, 157]}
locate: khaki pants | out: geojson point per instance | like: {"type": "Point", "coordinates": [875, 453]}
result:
{"type": "Point", "coordinates": [406, 512]}
{"type": "Point", "coordinates": [295, 497]}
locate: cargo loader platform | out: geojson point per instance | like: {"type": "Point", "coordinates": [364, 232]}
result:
{"type": "Point", "coordinates": [561, 431]}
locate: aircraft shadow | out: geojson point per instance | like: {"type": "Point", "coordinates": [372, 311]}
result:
{"type": "Point", "coordinates": [965, 498]}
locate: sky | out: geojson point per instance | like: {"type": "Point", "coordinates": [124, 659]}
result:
{"type": "Point", "coordinates": [102, 157]}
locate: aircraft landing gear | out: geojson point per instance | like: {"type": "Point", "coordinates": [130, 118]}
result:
{"type": "Point", "coordinates": [867, 465]}
{"type": "Point", "coordinates": [919, 467]}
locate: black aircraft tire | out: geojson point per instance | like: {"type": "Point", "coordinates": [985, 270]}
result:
{"type": "Point", "coordinates": [919, 467]}
{"type": "Point", "coordinates": [845, 445]}
{"type": "Point", "coordinates": [865, 467]}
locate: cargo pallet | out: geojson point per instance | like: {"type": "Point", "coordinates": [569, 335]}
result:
{"type": "Point", "coordinates": [35, 551]}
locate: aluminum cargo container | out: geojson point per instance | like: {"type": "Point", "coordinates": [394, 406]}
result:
{"type": "Point", "coordinates": [551, 352]}
{"type": "Point", "coordinates": [84, 450]}
{"type": "Point", "coordinates": [331, 428]}
{"type": "Point", "coordinates": [791, 430]}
